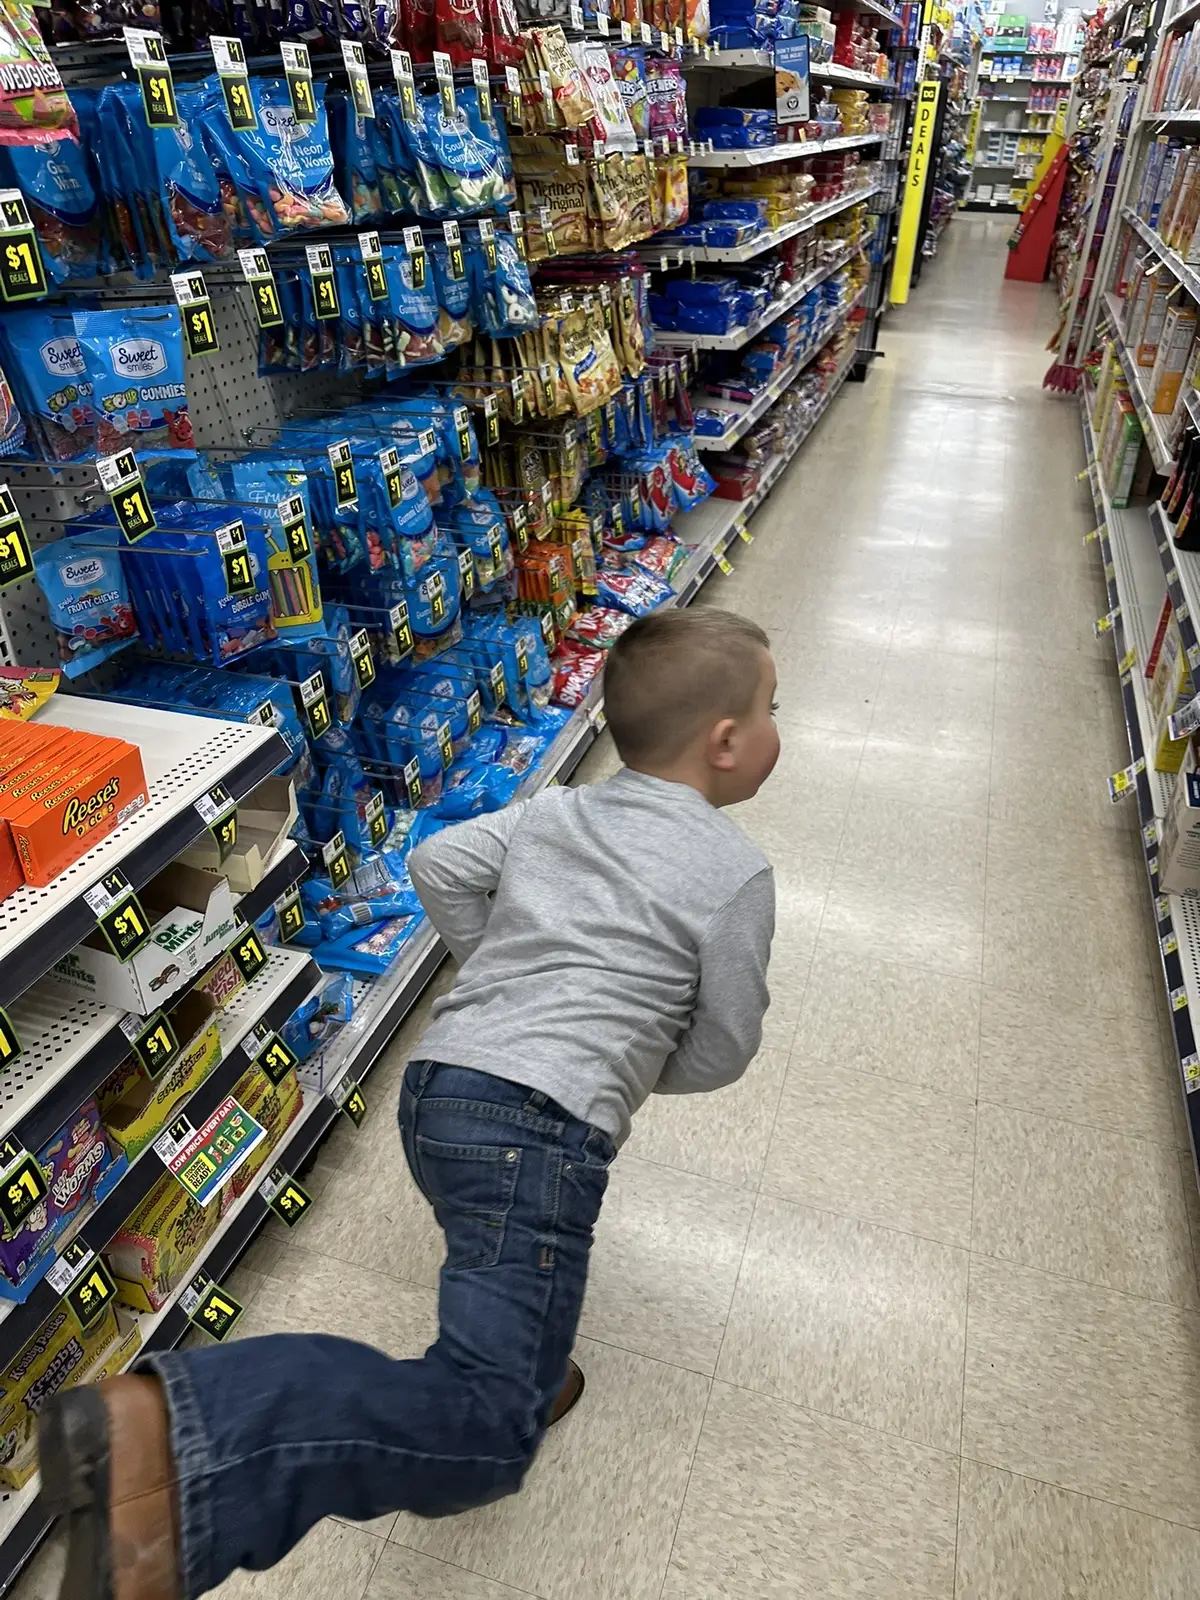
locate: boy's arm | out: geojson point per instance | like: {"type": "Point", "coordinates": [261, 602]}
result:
{"type": "Point", "coordinates": [456, 871]}
{"type": "Point", "coordinates": [726, 1027]}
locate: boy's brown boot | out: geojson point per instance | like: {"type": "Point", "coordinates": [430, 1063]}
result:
{"type": "Point", "coordinates": [106, 1467]}
{"type": "Point", "coordinates": [568, 1395]}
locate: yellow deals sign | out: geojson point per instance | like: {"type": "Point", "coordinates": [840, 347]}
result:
{"type": "Point", "coordinates": [920, 158]}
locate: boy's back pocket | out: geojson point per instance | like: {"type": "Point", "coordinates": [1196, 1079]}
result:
{"type": "Point", "coordinates": [472, 1189]}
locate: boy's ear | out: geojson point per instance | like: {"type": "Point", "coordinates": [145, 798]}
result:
{"type": "Point", "coordinates": [720, 746]}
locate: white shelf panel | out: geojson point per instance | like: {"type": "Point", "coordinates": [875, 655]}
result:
{"type": "Point", "coordinates": [744, 414]}
{"type": "Point", "coordinates": [58, 1030]}
{"type": "Point", "coordinates": [183, 758]}
{"type": "Point", "coordinates": [1189, 277]}
{"type": "Point", "coordinates": [742, 336]}
{"type": "Point", "coordinates": [654, 256]}
{"type": "Point", "coordinates": [766, 155]}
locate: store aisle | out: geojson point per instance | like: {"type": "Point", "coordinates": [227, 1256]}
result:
{"type": "Point", "coordinates": [913, 1309]}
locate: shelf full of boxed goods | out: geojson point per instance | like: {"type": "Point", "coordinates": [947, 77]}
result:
{"type": "Point", "coordinates": [339, 440]}
{"type": "Point", "coordinates": [1134, 316]}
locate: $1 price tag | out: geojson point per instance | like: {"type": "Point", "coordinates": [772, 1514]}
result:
{"type": "Point", "coordinates": [16, 560]}
{"type": "Point", "coordinates": [121, 479]}
{"type": "Point", "coordinates": [149, 60]}
{"type": "Point", "coordinates": [210, 1307]}
{"type": "Point", "coordinates": [297, 69]}
{"type": "Point", "coordinates": [119, 915]}
{"type": "Point", "coordinates": [337, 859]}
{"type": "Point", "coordinates": [153, 1040]}
{"type": "Point", "coordinates": [22, 275]}
{"type": "Point", "coordinates": [256, 269]}
{"type": "Point", "coordinates": [84, 1282]}
{"type": "Point", "coordinates": [286, 1196]}
{"type": "Point", "coordinates": [230, 57]}
{"type": "Point", "coordinates": [195, 308]}
{"type": "Point", "coordinates": [326, 304]}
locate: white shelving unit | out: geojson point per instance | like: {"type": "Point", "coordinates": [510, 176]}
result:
{"type": "Point", "coordinates": [767, 240]}
{"type": "Point", "coordinates": [767, 155]}
{"type": "Point", "coordinates": [1160, 449]}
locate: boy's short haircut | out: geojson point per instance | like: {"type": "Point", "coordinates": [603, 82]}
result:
{"type": "Point", "coordinates": [673, 672]}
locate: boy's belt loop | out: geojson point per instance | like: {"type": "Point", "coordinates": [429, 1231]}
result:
{"type": "Point", "coordinates": [537, 1100]}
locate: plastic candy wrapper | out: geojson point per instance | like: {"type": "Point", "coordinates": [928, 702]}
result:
{"type": "Point", "coordinates": [661, 558]}
{"type": "Point", "coordinates": [576, 667]}
{"type": "Point", "coordinates": [370, 952]}
{"type": "Point", "coordinates": [635, 592]}
{"type": "Point", "coordinates": [289, 165]}
{"type": "Point", "coordinates": [134, 361]}
{"type": "Point", "coordinates": [667, 108]}
{"type": "Point", "coordinates": [44, 356]}
{"type": "Point", "coordinates": [573, 103]}
{"type": "Point", "coordinates": [378, 890]}
{"type": "Point", "coordinates": [87, 598]}
{"type": "Point", "coordinates": [62, 204]}
{"type": "Point", "coordinates": [600, 626]}
{"type": "Point", "coordinates": [315, 1022]}
{"type": "Point", "coordinates": [33, 102]}
{"type": "Point", "coordinates": [473, 787]}
{"type": "Point", "coordinates": [24, 690]}
{"type": "Point", "coordinates": [629, 74]}
{"type": "Point", "coordinates": [187, 180]}
{"type": "Point", "coordinates": [459, 27]}
{"type": "Point", "coordinates": [468, 152]}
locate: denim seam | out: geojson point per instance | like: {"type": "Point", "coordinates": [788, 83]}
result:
{"type": "Point", "coordinates": [193, 1464]}
{"type": "Point", "coordinates": [481, 1111]}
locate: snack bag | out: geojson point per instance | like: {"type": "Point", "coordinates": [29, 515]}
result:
{"type": "Point", "coordinates": [195, 215]}
{"type": "Point", "coordinates": [611, 125]}
{"type": "Point", "coordinates": [23, 691]}
{"type": "Point", "coordinates": [573, 103]}
{"type": "Point", "coordinates": [455, 324]}
{"type": "Point", "coordinates": [629, 74]}
{"type": "Point", "coordinates": [354, 143]}
{"type": "Point", "coordinates": [587, 361]}
{"type": "Point", "coordinates": [458, 25]}
{"type": "Point", "coordinates": [471, 167]}
{"type": "Point", "coordinates": [87, 598]}
{"type": "Point", "coordinates": [43, 353]}
{"type": "Point", "coordinates": [33, 102]}
{"type": "Point", "coordinates": [56, 181]}
{"type": "Point", "coordinates": [134, 361]}
{"type": "Point", "coordinates": [291, 164]}
{"type": "Point", "coordinates": [414, 312]}
{"type": "Point", "coordinates": [504, 296]}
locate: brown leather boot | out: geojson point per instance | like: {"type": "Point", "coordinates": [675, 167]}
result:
{"type": "Point", "coordinates": [105, 1459]}
{"type": "Point", "coordinates": [568, 1395]}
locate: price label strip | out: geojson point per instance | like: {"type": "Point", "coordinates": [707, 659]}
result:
{"type": "Point", "coordinates": [203, 1160]}
{"type": "Point", "coordinates": [479, 73]}
{"type": "Point", "coordinates": [444, 71]}
{"type": "Point", "coordinates": [195, 308]}
{"type": "Point", "coordinates": [16, 558]}
{"type": "Point", "coordinates": [326, 305]}
{"type": "Point", "coordinates": [363, 658]}
{"type": "Point", "coordinates": [315, 700]}
{"type": "Point", "coordinates": [512, 82]}
{"type": "Point", "coordinates": [375, 815]}
{"type": "Point", "coordinates": [337, 859]}
{"type": "Point", "coordinates": [289, 913]}
{"type": "Point", "coordinates": [1125, 782]}
{"type": "Point", "coordinates": [348, 1097]}
{"type": "Point", "coordinates": [256, 269]}
{"type": "Point", "coordinates": [412, 782]}
{"type": "Point", "coordinates": [452, 234]}
{"type": "Point", "coordinates": [341, 460]}
{"type": "Point", "coordinates": [516, 226]}
{"type": "Point", "coordinates": [293, 523]}
{"type": "Point", "coordinates": [372, 259]}
{"type": "Point", "coordinates": [22, 275]}
{"type": "Point", "coordinates": [121, 479]}
{"type": "Point", "coordinates": [218, 812]}
{"type": "Point", "coordinates": [210, 1307]}
{"type": "Point", "coordinates": [23, 1184]}
{"type": "Point", "coordinates": [402, 633]}
{"type": "Point", "coordinates": [10, 1041]}
{"type": "Point", "coordinates": [418, 265]}
{"type": "Point", "coordinates": [491, 419]}
{"type": "Point", "coordinates": [235, 555]}
{"type": "Point", "coordinates": [249, 957]}
{"type": "Point", "coordinates": [297, 69]}
{"type": "Point", "coordinates": [355, 59]}
{"type": "Point", "coordinates": [287, 1198]}
{"type": "Point", "coordinates": [119, 915]}
{"type": "Point", "coordinates": [466, 573]}
{"type": "Point", "coordinates": [230, 57]}
{"type": "Point", "coordinates": [84, 1283]}
{"type": "Point", "coordinates": [153, 1040]}
{"type": "Point", "coordinates": [148, 58]}
{"type": "Point", "coordinates": [406, 88]}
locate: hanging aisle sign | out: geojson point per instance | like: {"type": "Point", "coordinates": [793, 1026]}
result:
{"type": "Point", "coordinates": [791, 79]}
{"type": "Point", "coordinates": [920, 159]}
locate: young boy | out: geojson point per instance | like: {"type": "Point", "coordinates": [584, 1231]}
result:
{"type": "Point", "coordinates": [613, 942]}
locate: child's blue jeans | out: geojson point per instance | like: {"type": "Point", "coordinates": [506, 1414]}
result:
{"type": "Point", "coordinates": [270, 1435]}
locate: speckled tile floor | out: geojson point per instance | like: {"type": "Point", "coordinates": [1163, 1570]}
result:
{"type": "Point", "coordinates": [911, 1311]}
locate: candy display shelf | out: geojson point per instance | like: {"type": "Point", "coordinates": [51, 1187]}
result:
{"type": "Point", "coordinates": [1130, 541]}
{"type": "Point", "coordinates": [285, 982]}
{"type": "Point", "coordinates": [1152, 426]}
{"type": "Point", "coordinates": [764, 155]}
{"type": "Point", "coordinates": [744, 414]}
{"type": "Point", "coordinates": [742, 336]}
{"type": "Point", "coordinates": [654, 255]}
{"type": "Point", "coordinates": [70, 1042]}
{"type": "Point", "coordinates": [183, 757]}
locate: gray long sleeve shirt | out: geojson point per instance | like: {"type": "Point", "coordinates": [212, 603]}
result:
{"type": "Point", "coordinates": [613, 942]}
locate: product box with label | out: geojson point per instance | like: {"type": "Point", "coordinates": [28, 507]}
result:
{"type": "Point", "coordinates": [79, 1165]}
{"type": "Point", "coordinates": [155, 1247]}
{"type": "Point", "coordinates": [135, 1103]}
{"type": "Point", "coordinates": [264, 819]}
{"type": "Point", "coordinates": [1179, 843]}
{"type": "Point", "coordinates": [275, 1106]}
{"type": "Point", "coordinates": [59, 1355]}
{"type": "Point", "coordinates": [191, 921]}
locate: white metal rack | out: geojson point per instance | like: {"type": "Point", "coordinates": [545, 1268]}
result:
{"type": "Point", "coordinates": [768, 154]}
{"type": "Point", "coordinates": [1161, 452]}
{"type": "Point", "coordinates": [767, 240]}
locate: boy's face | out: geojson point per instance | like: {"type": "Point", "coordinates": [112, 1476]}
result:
{"type": "Point", "coordinates": [752, 745]}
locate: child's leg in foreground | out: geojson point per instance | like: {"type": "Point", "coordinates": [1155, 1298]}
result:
{"type": "Point", "coordinates": [270, 1435]}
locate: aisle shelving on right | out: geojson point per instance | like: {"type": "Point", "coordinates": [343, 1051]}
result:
{"type": "Point", "coordinates": [1131, 287]}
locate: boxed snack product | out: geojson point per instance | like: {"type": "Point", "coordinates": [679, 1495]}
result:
{"type": "Point", "coordinates": [58, 1356]}
{"type": "Point", "coordinates": [80, 1165]}
{"type": "Point", "coordinates": [135, 1106]}
{"type": "Point", "coordinates": [191, 922]}
{"type": "Point", "coordinates": [274, 1105]}
{"type": "Point", "coordinates": [155, 1247]}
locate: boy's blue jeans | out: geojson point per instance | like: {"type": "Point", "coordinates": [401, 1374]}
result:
{"type": "Point", "coordinates": [270, 1435]}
